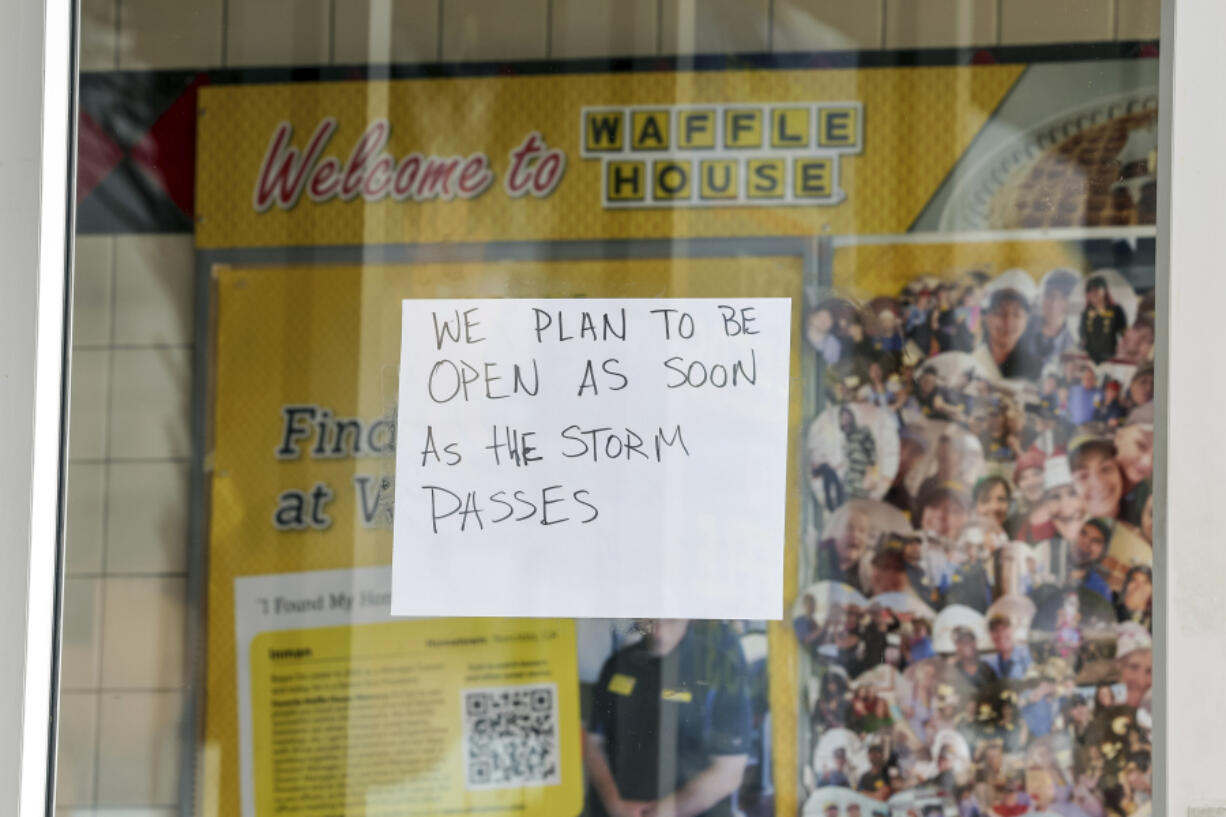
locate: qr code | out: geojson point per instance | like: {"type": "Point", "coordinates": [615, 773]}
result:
{"type": "Point", "coordinates": [511, 737]}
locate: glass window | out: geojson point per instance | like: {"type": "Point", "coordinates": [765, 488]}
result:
{"type": "Point", "coordinates": [612, 408]}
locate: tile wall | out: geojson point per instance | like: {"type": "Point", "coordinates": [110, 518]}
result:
{"type": "Point", "coordinates": [122, 706]}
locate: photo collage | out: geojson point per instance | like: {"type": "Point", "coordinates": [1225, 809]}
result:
{"type": "Point", "coordinates": [973, 618]}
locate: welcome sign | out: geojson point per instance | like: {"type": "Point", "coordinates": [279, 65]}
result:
{"type": "Point", "coordinates": [584, 156]}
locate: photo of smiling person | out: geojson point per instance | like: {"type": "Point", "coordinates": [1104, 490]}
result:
{"type": "Point", "coordinates": [1097, 475]}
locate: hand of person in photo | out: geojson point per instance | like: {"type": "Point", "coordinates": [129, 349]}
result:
{"type": "Point", "coordinates": [630, 808]}
{"type": "Point", "coordinates": [661, 808]}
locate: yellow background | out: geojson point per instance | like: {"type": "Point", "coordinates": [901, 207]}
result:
{"type": "Point", "coordinates": [917, 123]}
{"type": "Point", "coordinates": [387, 647]}
{"type": "Point", "coordinates": [864, 271]}
{"type": "Point", "coordinates": [330, 335]}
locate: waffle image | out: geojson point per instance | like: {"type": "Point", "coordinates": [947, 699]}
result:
{"type": "Point", "coordinates": [1102, 176]}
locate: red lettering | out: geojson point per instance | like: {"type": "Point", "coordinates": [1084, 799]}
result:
{"type": "Point", "coordinates": [325, 179]}
{"type": "Point", "coordinates": [548, 173]}
{"type": "Point", "coordinates": [517, 177]}
{"type": "Point", "coordinates": [374, 173]}
{"type": "Point", "coordinates": [475, 175]}
{"type": "Point", "coordinates": [435, 178]}
{"type": "Point", "coordinates": [284, 171]}
{"type": "Point", "coordinates": [406, 177]}
{"type": "Point", "coordinates": [369, 144]}
{"type": "Point", "coordinates": [379, 179]}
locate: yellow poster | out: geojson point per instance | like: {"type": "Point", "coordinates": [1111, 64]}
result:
{"type": "Point", "coordinates": [319, 702]}
{"type": "Point", "coordinates": [584, 156]}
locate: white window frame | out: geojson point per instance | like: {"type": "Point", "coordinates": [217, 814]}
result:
{"type": "Point", "coordinates": [37, 147]}
{"type": "Point", "coordinates": [1190, 439]}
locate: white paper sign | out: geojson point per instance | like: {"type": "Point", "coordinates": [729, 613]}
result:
{"type": "Point", "coordinates": [592, 458]}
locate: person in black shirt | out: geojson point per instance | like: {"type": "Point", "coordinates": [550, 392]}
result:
{"type": "Point", "coordinates": [876, 636]}
{"type": "Point", "coordinates": [1102, 321]}
{"type": "Point", "coordinates": [970, 668]}
{"type": "Point", "coordinates": [857, 344]}
{"type": "Point", "coordinates": [670, 725]}
{"type": "Point", "coordinates": [876, 781]}
{"type": "Point", "coordinates": [946, 318]}
{"type": "Point", "coordinates": [934, 402]}
{"type": "Point", "coordinates": [1004, 327]}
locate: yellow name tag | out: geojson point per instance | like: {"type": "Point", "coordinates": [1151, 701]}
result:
{"type": "Point", "coordinates": [679, 695]}
{"type": "Point", "coordinates": [621, 684]}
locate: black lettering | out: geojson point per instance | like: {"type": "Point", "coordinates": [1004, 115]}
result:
{"type": "Point", "coordinates": [781, 130]}
{"type": "Point", "coordinates": [292, 432]}
{"type": "Point", "coordinates": [768, 177]}
{"type": "Point", "coordinates": [738, 370]}
{"type": "Point", "coordinates": [613, 373]}
{"type": "Point", "coordinates": [497, 446]}
{"type": "Point", "coordinates": [526, 449]}
{"type": "Point", "coordinates": [837, 125]}
{"type": "Point", "coordinates": [546, 502]}
{"type": "Point", "coordinates": [675, 440]}
{"type": "Point", "coordinates": [585, 503]}
{"type": "Point", "coordinates": [519, 384]}
{"type": "Point", "coordinates": [631, 178]}
{"type": "Point", "coordinates": [610, 330]}
{"type": "Point", "coordinates": [446, 330]}
{"type": "Point", "coordinates": [712, 184]}
{"type": "Point", "coordinates": [604, 129]}
{"type": "Point", "coordinates": [668, 364]}
{"type": "Point", "coordinates": [814, 179]}
{"type": "Point", "coordinates": [587, 326]}
{"type": "Point", "coordinates": [469, 325]}
{"type": "Point", "coordinates": [291, 511]}
{"type": "Point", "coordinates": [667, 322]}
{"type": "Point", "coordinates": [566, 436]}
{"type": "Point", "coordinates": [589, 380]}
{"type": "Point", "coordinates": [429, 449]}
{"type": "Point", "coordinates": [388, 430]}
{"type": "Point", "coordinates": [435, 516]}
{"type": "Point", "coordinates": [541, 327]}
{"type": "Point", "coordinates": [320, 496]}
{"type": "Point", "coordinates": [494, 497]}
{"type": "Point", "coordinates": [747, 318]}
{"type": "Point", "coordinates": [634, 445]}
{"type": "Point", "coordinates": [471, 509]}
{"type": "Point", "coordinates": [612, 452]}
{"type": "Point", "coordinates": [650, 131]}
{"type": "Point", "coordinates": [338, 445]}
{"type": "Point", "coordinates": [519, 497]}
{"type": "Point", "coordinates": [490, 379]}
{"type": "Point", "coordinates": [678, 174]}
{"type": "Point", "coordinates": [321, 434]}
{"type": "Point", "coordinates": [368, 501]}
{"type": "Point", "coordinates": [694, 125]}
{"type": "Point", "coordinates": [742, 121]}
{"type": "Point", "coordinates": [430, 383]}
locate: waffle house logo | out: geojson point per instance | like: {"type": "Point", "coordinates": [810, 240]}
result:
{"type": "Point", "coordinates": [719, 155]}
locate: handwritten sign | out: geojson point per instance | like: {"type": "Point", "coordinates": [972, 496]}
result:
{"type": "Point", "coordinates": [592, 458]}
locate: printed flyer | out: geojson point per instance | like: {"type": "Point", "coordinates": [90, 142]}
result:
{"type": "Point", "coordinates": [959, 256]}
